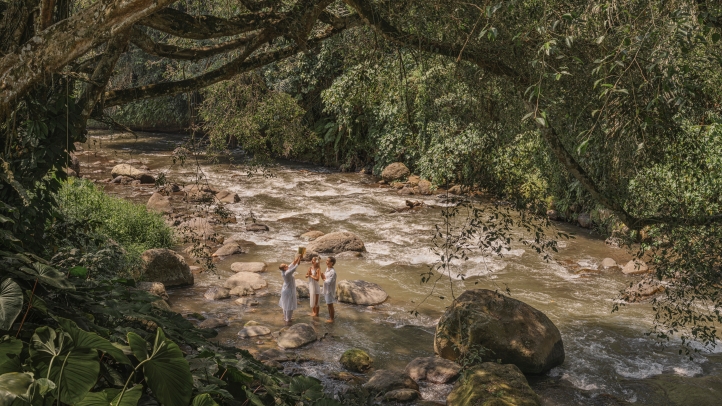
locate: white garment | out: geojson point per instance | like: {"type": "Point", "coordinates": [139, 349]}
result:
{"type": "Point", "coordinates": [288, 291]}
{"type": "Point", "coordinates": [313, 288]}
{"type": "Point", "coordinates": [329, 286]}
{"type": "Point", "coordinates": [287, 315]}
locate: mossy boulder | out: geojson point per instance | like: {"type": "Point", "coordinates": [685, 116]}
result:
{"type": "Point", "coordinates": [356, 360]}
{"type": "Point", "coordinates": [492, 384]}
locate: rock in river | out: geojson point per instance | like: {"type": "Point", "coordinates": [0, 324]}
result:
{"type": "Point", "coordinates": [493, 384]}
{"type": "Point", "coordinates": [515, 332]}
{"type": "Point", "coordinates": [383, 381]}
{"type": "Point", "coordinates": [254, 331]}
{"type": "Point", "coordinates": [311, 235]}
{"type": "Point", "coordinates": [360, 292]}
{"type": "Point", "coordinates": [333, 243]}
{"type": "Point", "coordinates": [231, 248]}
{"type": "Point", "coordinates": [226, 196]}
{"type": "Point", "coordinates": [131, 172]}
{"type": "Point", "coordinates": [296, 336]}
{"type": "Point", "coordinates": [155, 288]}
{"type": "Point", "coordinates": [212, 323]}
{"type": "Point", "coordinates": [635, 267]}
{"type": "Point", "coordinates": [302, 289]}
{"type": "Point", "coordinates": [356, 360]}
{"type": "Point", "coordinates": [433, 369]}
{"type": "Point", "coordinates": [197, 227]}
{"type": "Point", "coordinates": [251, 279]}
{"type": "Point", "coordinates": [255, 267]}
{"type": "Point", "coordinates": [395, 171]}
{"type": "Point", "coordinates": [165, 266]}
{"type": "Point", "coordinates": [217, 293]}
{"type": "Point", "coordinates": [609, 263]}
{"type": "Point", "coordinates": [159, 203]}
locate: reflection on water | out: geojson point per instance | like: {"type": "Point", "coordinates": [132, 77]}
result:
{"type": "Point", "coordinates": [606, 353]}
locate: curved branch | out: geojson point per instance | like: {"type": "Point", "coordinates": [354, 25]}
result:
{"type": "Point", "coordinates": [146, 43]}
{"type": "Point", "coordinates": [184, 25]}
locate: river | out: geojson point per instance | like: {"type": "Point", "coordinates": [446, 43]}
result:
{"type": "Point", "coordinates": [609, 360]}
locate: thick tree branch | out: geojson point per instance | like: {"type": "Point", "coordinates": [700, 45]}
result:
{"type": "Point", "coordinates": [46, 13]}
{"type": "Point", "coordinates": [184, 25]}
{"type": "Point", "coordinates": [146, 43]}
{"type": "Point", "coordinates": [484, 58]}
{"type": "Point", "coordinates": [67, 40]}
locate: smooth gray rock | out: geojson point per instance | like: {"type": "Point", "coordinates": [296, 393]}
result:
{"type": "Point", "coordinates": [255, 267]}
{"type": "Point", "coordinates": [433, 369]}
{"type": "Point", "coordinates": [360, 292]}
{"type": "Point", "coordinates": [165, 266]}
{"type": "Point", "coordinates": [254, 331]}
{"type": "Point", "coordinates": [296, 336]}
{"type": "Point", "coordinates": [217, 293]}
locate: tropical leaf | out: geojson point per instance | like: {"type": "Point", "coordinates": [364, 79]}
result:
{"type": "Point", "coordinates": [10, 350]}
{"type": "Point", "coordinates": [166, 370]}
{"type": "Point", "coordinates": [138, 346]}
{"type": "Point", "coordinates": [15, 383]}
{"type": "Point", "coordinates": [11, 303]}
{"type": "Point", "coordinates": [111, 397]}
{"type": "Point", "coordinates": [48, 275]}
{"type": "Point", "coordinates": [86, 340]}
{"type": "Point", "coordinates": [204, 400]}
{"type": "Point", "coordinates": [306, 387]}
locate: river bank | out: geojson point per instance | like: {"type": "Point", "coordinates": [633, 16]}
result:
{"type": "Point", "coordinates": [608, 357]}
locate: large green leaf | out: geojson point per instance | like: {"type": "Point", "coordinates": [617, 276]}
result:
{"type": "Point", "coordinates": [11, 303]}
{"type": "Point", "coordinates": [138, 346]}
{"type": "Point", "coordinates": [10, 349]}
{"type": "Point", "coordinates": [204, 400]}
{"type": "Point", "coordinates": [111, 397]}
{"type": "Point", "coordinates": [167, 372]}
{"type": "Point", "coordinates": [48, 275]}
{"type": "Point", "coordinates": [15, 383]}
{"type": "Point", "coordinates": [86, 340]}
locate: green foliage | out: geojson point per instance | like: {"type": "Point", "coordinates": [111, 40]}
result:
{"type": "Point", "coordinates": [11, 303]}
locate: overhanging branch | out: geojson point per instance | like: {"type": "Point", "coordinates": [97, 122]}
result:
{"type": "Point", "coordinates": [146, 43]}
{"type": "Point", "coordinates": [184, 25]}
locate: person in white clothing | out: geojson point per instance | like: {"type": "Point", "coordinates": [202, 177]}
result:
{"type": "Point", "coordinates": [289, 298]}
{"type": "Point", "coordinates": [329, 286]}
{"type": "Point", "coordinates": [313, 275]}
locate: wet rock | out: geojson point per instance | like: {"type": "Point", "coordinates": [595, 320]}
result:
{"type": "Point", "coordinates": [384, 381]}
{"type": "Point", "coordinates": [159, 203]}
{"type": "Point", "coordinates": [246, 278]}
{"type": "Point", "coordinates": [231, 248]}
{"type": "Point", "coordinates": [515, 332]}
{"type": "Point", "coordinates": [311, 235]}
{"type": "Point", "coordinates": [302, 289]}
{"type": "Point", "coordinates": [425, 187]}
{"type": "Point", "coordinates": [196, 270]}
{"type": "Point", "coordinates": [255, 267]}
{"type": "Point", "coordinates": [609, 263]}
{"type": "Point", "coordinates": [406, 191]}
{"type": "Point", "coordinates": [347, 377]}
{"type": "Point", "coordinates": [256, 227]}
{"type": "Point", "coordinates": [493, 384]}
{"type": "Point", "coordinates": [413, 180]}
{"type": "Point", "coordinates": [402, 395]}
{"type": "Point", "coordinates": [458, 190]}
{"type": "Point", "coordinates": [360, 292]}
{"type": "Point", "coordinates": [273, 354]}
{"type": "Point", "coordinates": [122, 180]}
{"type": "Point", "coordinates": [584, 220]}
{"type": "Point", "coordinates": [643, 290]}
{"type": "Point", "coordinates": [199, 192]}
{"type": "Point", "coordinates": [397, 185]}
{"type": "Point", "coordinates": [395, 171]}
{"type": "Point", "coordinates": [212, 323]}
{"type": "Point", "coordinates": [272, 364]}
{"type": "Point", "coordinates": [197, 227]}
{"type": "Point", "coordinates": [228, 197]}
{"type": "Point", "coordinates": [334, 243]}
{"type": "Point", "coordinates": [254, 331]}
{"type": "Point", "coordinates": [635, 267]}
{"type": "Point", "coordinates": [243, 289]}
{"type": "Point", "coordinates": [296, 336]}
{"type": "Point", "coordinates": [356, 360]}
{"type": "Point", "coordinates": [247, 301]}
{"type": "Point", "coordinates": [217, 293]}
{"type": "Point", "coordinates": [155, 288]}
{"type": "Point", "coordinates": [433, 369]}
{"type": "Point", "coordinates": [553, 214]}
{"type": "Point", "coordinates": [165, 266]}
{"type": "Point", "coordinates": [131, 172]}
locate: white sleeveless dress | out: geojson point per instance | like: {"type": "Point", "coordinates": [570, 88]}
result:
{"type": "Point", "coordinates": [313, 288]}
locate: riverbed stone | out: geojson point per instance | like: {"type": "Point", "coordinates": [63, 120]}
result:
{"type": "Point", "coordinates": [243, 289]}
{"type": "Point", "coordinates": [356, 360]}
{"type": "Point", "coordinates": [274, 354]}
{"type": "Point", "coordinates": [635, 267]}
{"type": "Point", "coordinates": [384, 381]}
{"type": "Point", "coordinates": [433, 369]}
{"type": "Point", "coordinates": [254, 331]}
{"type": "Point", "coordinates": [395, 171]}
{"type": "Point", "coordinates": [257, 227]}
{"type": "Point", "coordinates": [198, 192]}
{"type": "Point", "coordinates": [228, 197]}
{"type": "Point", "coordinates": [302, 289]}
{"type": "Point", "coordinates": [360, 292]}
{"type": "Point", "coordinates": [609, 263]}
{"type": "Point", "coordinates": [122, 180]}
{"type": "Point", "coordinates": [253, 280]}
{"type": "Point", "coordinates": [296, 336]}
{"type": "Point", "coordinates": [131, 172]}
{"type": "Point", "coordinates": [155, 288]}
{"type": "Point", "coordinates": [402, 395]}
{"type": "Point", "coordinates": [584, 220]}
{"type": "Point", "coordinates": [159, 203]}
{"type": "Point", "coordinates": [334, 243]}
{"type": "Point", "coordinates": [493, 384]}
{"type": "Point", "coordinates": [312, 235]}
{"type": "Point", "coordinates": [255, 267]}
{"type": "Point", "coordinates": [165, 266]}
{"type": "Point", "coordinates": [643, 290]}
{"type": "Point", "coordinates": [228, 249]}
{"type": "Point", "coordinates": [424, 187]}
{"type": "Point", "coordinates": [217, 293]}
{"type": "Point", "coordinates": [213, 323]}
{"type": "Point", "coordinates": [198, 227]}
{"type": "Point", "coordinates": [515, 332]}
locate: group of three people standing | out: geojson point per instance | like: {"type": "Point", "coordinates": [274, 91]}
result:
{"type": "Point", "coordinates": [289, 297]}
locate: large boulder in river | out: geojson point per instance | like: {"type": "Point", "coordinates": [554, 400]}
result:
{"type": "Point", "coordinates": [642, 290]}
{"type": "Point", "coordinates": [493, 384]}
{"type": "Point", "coordinates": [231, 248]}
{"type": "Point", "coordinates": [312, 235]}
{"type": "Point", "coordinates": [433, 369]}
{"type": "Point", "coordinates": [584, 220]}
{"type": "Point", "coordinates": [395, 171]}
{"type": "Point", "coordinates": [226, 196]}
{"type": "Point", "coordinates": [159, 203]}
{"type": "Point", "coordinates": [515, 332]}
{"type": "Point", "coordinates": [360, 292]}
{"type": "Point", "coordinates": [217, 293]}
{"type": "Point", "coordinates": [245, 278]}
{"type": "Point", "coordinates": [197, 227]}
{"type": "Point", "coordinates": [296, 336]}
{"type": "Point", "coordinates": [131, 172]}
{"type": "Point", "coordinates": [383, 381]}
{"type": "Point", "coordinates": [199, 192]}
{"type": "Point", "coordinates": [609, 263]}
{"type": "Point", "coordinates": [635, 267]}
{"type": "Point", "coordinates": [165, 266]}
{"type": "Point", "coordinates": [356, 360]}
{"type": "Point", "coordinates": [333, 243]}
{"type": "Point", "coordinates": [255, 267]}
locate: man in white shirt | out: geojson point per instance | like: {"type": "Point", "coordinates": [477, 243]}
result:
{"type": "Point", "coordinates": [289, 299]}
{"type": "Point", "coordinates": [329, 286]}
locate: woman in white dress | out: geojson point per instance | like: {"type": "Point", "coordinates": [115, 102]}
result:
{"type": "Point", "coordinates": [289, 298]}
{"type": "Point", "coordinates": [313, 274]}
{"type": "Point", "coordinates": [329, 286]}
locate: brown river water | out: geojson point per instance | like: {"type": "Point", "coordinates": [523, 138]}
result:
{"type": "Point", "coordinates": [609, 360]}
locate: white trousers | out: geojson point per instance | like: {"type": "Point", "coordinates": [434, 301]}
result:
{"type": "Point", "coordinates": [287, 315]}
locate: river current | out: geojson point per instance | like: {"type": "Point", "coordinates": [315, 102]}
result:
{"type": "Point", "coordinates": [609, 359]}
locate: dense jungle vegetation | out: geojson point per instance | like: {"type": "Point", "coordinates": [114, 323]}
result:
{"type": "Point", "coordinates": [579, 106]}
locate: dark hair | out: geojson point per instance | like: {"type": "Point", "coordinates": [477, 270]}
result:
{"type": "Point", "coordinates": [333, 260]}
